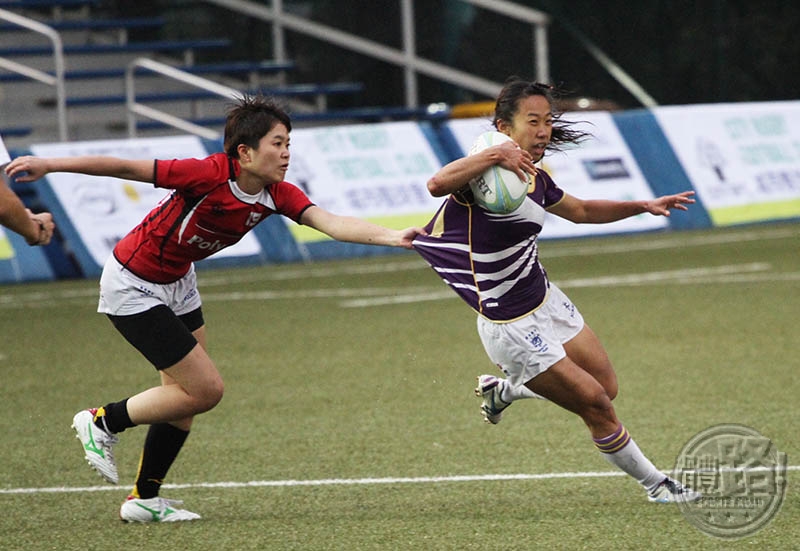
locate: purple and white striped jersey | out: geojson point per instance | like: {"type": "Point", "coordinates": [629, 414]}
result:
{"type": "Point", "coordinates": [491, 260]}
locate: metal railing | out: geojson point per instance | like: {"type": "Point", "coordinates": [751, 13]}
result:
{"type": "Point", "coordinates": [406, 57]}
{"type": "Point", "coordinates": [281, 21]}
{"type": "Point", "coordinates": [134, 108]}
{"type": "Point", "coordinates": [413, 64]}
{"type": "Point", "coordinates": [56, 80]}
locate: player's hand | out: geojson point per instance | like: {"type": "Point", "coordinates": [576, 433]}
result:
{"type": "Point", "coordinates": [27, 168]}
{"type": "Point", "coordinates": [44, 220]}
{"type": "Point", "coordinates": [516, 159]}
{"type": "Point", "coordinates": [662, 205]}
{"type": "Point", "coordinates": [407, 237]}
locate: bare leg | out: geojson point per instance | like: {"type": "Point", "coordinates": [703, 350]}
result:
{"type": "Point", "coordinates": [576, 390]}
{"type": "Point", "coordinates": [573, 388]}
{"type": "Point", "coordinates": [165, 439]}
{"type": "Point", "coordinates": [586, 350]}
{"type": "Point", "coordinates": [191, 386]}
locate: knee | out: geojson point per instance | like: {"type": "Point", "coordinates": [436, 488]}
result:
{"type": "Point", "coordinates": [608, 378]}
{"type": "Point", "coordinates": [597, 408]}
{"type": "Point", "coordinates": [612, 389]}
{"type": "Point", "coordinates": [210, 395]}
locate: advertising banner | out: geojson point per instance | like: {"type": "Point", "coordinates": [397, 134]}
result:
{"type": "Point", "coordinates": [102, 210]}
{"type": "Point", "coordinates": [601, 167]}
{"type": "Point", "coordinates": [377, 172]}
{"type": "Point", "coordinates": [743, 159]}
{"type": "Point", "coordinates": [4, 158]}
{"type": "Point", "coordinates": [6, 250]}
{"type": "Point", "coordinates": [18, 261]}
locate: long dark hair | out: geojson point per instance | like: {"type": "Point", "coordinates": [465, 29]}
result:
{"type": "Point", "coordinates": [516, 89]}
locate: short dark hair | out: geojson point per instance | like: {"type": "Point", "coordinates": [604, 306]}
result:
{"type": "Point", "coordinates": [250, 119]}
{"type": "Point", "coordinates": [516, 89]}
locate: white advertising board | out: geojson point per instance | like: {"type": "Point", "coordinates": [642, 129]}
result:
{"type": "Point", "coordinates": [6, 250]}
{"type": "Point", "coordinates": [372, 171]}
{"type": "Point", "coordinates": [743, 159]}
{"type": "Point", "coordinates": [601, 167]}
{"type": "Point", "coordinates": [103, 210]}
{"type": "Point", "coordinates": [4, 158]}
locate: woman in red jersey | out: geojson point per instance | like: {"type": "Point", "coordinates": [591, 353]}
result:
{"type": "Point", "coordinates": [148, 287]}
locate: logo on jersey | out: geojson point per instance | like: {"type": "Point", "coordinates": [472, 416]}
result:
{"type": "Point", "coordinates": [253, 219]}
{"type": "Point", "coordinates": [201, 243]}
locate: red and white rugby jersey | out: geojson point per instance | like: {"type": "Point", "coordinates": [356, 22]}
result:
{"type": "Point", "coordinates": [205, 213]}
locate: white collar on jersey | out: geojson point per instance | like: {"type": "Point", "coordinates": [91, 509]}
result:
{"type": "Point", "coordinates": [261, 197]}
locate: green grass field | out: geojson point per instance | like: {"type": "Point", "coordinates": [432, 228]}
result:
{"type": "Point", "coordinates": [342, 376]}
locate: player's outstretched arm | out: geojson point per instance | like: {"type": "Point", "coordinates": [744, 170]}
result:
{"type": "Point", "coordinates": [29, 168]}
{"type": "Point", "coordinates": [37, 229]}
{"type": "Point", "coordinates": [603, 211]}
{"type": "Point", "coordinates": [356, 230]}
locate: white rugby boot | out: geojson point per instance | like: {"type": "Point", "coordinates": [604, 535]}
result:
{"type": "Point", "coordinates": [154, 509]}
{"type": "Point", "coordinates": [672, 491]}
{"type": "Point", "coordinates": [97, 445]}
{"type": "Point", "coordinates": [488, 390]}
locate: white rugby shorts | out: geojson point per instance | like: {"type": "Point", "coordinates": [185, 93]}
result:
{"type": "Point", "coordinates": [123, 294]}
{"type": "Point", "coordinates": [524, 348]}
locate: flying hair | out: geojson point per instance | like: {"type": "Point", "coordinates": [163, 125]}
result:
{"type": "Point", "coordinates": [516, 89]}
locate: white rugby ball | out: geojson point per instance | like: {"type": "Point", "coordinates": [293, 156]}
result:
{"type": "Point", "coordinates": [497, 190]}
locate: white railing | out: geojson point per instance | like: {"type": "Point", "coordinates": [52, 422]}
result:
{"type": "Point", "coordinates": [413, 64]}
{"type": "Point", "coordinates": [406, 57]}
{"type": "Point", "coordinates": [56, 80]}
{"type": "Point", "coordinates": [134, 108]}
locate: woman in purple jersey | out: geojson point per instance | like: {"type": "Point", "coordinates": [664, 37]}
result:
{"type": "Point", "coordinates": [529, 327]}
{"type": "Point", "coordinates": [149, 291]}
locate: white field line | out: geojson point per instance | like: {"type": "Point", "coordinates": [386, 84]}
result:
{"type": "Point", "coordinates": [308, 293]}
{"type": "Point", "coordinates": [381, 296]}
{"type": "Point", "coordinates": [552, 250]}
{"type": "Point", "coordinates": [348, 481]}
{"type": "Point", "coordinates": [734, 273]}
{"type": "Point", "coordinates": [689, 275]}
{"type": "Point", "coordinates": [674, 241]}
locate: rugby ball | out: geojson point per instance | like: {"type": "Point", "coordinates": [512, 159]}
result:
{"type": "Point", "coordinates": [497, 190]}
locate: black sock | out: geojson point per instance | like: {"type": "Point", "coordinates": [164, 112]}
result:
{"type": "Point", "coordinates": [161, 447]}
{"type": "Point", "coordinates": [114, 417]}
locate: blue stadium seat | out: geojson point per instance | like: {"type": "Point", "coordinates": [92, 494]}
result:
{"type": "Point", "coordinates": [360, 114]}
{"type": "Point", "coordinates": [233, 67]}
{"type": "Point", "coordinates": [95, 24]}
{"type": "Point", "coordinates": [131, 47]}
{"type": "Point", "coordinates": [292, 90]}
{"type": "Point", "coordinates": [35, 4]}
{"type": "Point", "coordinates": [15, 131]}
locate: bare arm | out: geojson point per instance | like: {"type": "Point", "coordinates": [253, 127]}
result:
{"type": "Point", "coordinates": [37, 229]}
{"type": "Point", "coordinates": [600, 211]}
{"type": "Point", "coordinates": [456, 174]}
{"type": "Point", "coordinates": [355, 230]}
{"type": "Point", "coordinates": [29, 168]}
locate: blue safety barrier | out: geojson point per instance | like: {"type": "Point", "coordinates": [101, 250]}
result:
{"type": "Point", "coordinates": [69, 256]}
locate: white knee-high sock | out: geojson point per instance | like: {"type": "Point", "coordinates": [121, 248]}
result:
{"type": "Point", "coordinates": [510, 393]}
{"type": "Point", "coordinates": [621, 451]}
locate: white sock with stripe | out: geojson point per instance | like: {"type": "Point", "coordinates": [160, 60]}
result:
{"type": "Point", "coordinates": [622, 452]}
